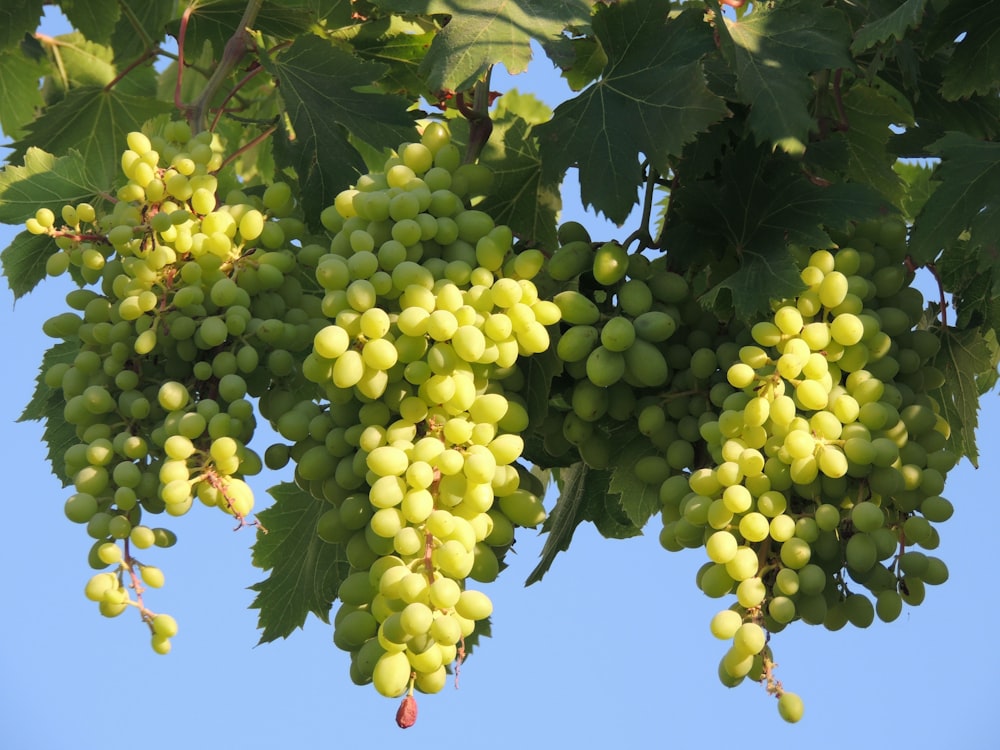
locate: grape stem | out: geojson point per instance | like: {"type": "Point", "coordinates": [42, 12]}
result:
{"type": "Point", "coordinates": [129, 564]}
{"type": "Point", "coordinates": [478, 115]}
{"type": "Point", "coordinates": [245, 147]}
{"type": "Point", "coordinates": [237, 46]}
{"type": "Point", "coordinates": [642, 234]}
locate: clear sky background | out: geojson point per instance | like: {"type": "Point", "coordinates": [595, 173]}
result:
{"type": "Point", "coordinates": [611, 649]}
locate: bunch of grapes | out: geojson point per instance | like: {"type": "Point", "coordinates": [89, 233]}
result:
{"type": "Point", "coordinates": [828, 460]}
{"type": "Point", "coordinates": [161, 352]}
{"type": "Point", "coordinates": [416, 435]}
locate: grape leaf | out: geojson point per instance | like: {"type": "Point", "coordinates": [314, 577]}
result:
{"type": "Point", "coordinates": [652, 98]}
{"type": "Point", "coordinates": [480, 33]}
{"type": "Point", "coordinates": [19, 94]}
{"type": "Point", "coordinates": [604, 509]}
{"type": "Point", "coordinates": [81, 62]}
{"type": "Point", "coordinates": [773, 51]}
{"type": "Point", "coordinates": [964, 357]}
{"type": "Point", "coordinates": [918, 187]}
{"type": "Point", "coordinates": [95, 18]}
{"type": "Point", "coordinates": [95, 121]}
{"type": "Point", "coordinates": [895, 24]}
{"type": "Point", "coordinates": [869, 115]}
{"type": "Point", "coordinates": [758, 204]}
{"type": "Point", "coordinates": [44, 182]}
{"type": "Point", "coordinates": [322, 87]}
{"type": "Point", "coordinates": [520, 196]}
{"type": "Point", "coordinates": [581, 59]}
{"type": "Point", "coordinates": [539, 370]}
{"type": "Point", "coordinates": [561, 523]}
{"type": "Point", "coordinates": [151, 15]}
{"type": "Point", "coordinates": [305, 571]}
{"type": "Point", "coordinates": [24, 261]}
{"type": "Point", "coordinates": [974, 65]}
{"type": "Point", "coordinates": [397, 43]}
{"type": "Point", "coordinates": [974, 288]}
{"type": "Point", "coordinates": [967, 199]}
{"type": "Point", "coordinates": [17, 18]}
{"type": "Point", "coordinates": [215, 21]}
{"type": "Point", "coordinates": [47, 404]}
{"type": "Point", "coordinates": [639, 500]}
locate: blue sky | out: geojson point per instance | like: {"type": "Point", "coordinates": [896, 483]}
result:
{"type": "Point", "coordinates": [611, 647]}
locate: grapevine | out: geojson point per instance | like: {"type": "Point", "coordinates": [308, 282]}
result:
{"type": "Point", "coordinates": [308, 231]}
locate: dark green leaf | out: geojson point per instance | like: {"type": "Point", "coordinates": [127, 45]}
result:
{"type": "Point", "coordinates": [967, 198]}
{"type": "Point", "coordinates": [24, 261]}
{"type": "Point", "coordinates": [965, 357]}
{"type": "Point", "coordinates": [397, 43]}
{"type": "Point", "coordinates": [481, 33]}
{"type": "Point", "coordinates": [95, 121]}
{"type": "Point", "coordinates": [774, 50]}
{"type": "Point", "coordinates": [44, 182]}
{"type": "Point", "coordinates": [305, 571]}
{"type": "Point", "coordinates": [905, 17]}
{"type": "Point", "coordinates": [568, 513]}
{"type": "Point", "coordinates": [95, 18]}
{"type": "Point", "coordinates": [215, 21]}
{"type": "Point", "coordinates": [323, 88]}
{"type": "Point", "coordinates": [152, 16]}
{"type": "Point", "coordinates": [639, 500]}
{"type": "Point", "coordinates": [652, 99]}
{"type": "Point", "coordinates": [974, 65]}
{"type": "Point", "coordinates": [581, 59]}
{"type": "Point", "coordinates": [17, 18]}
{"type": "Point", "coordinates": [47, 404]}
{"type": "Point", "coordinates": [520, 197]}
{"type": "Point", "coordinates": [19, 94]}
{"type": "Point", "coordinates": [604, 508]}
{"type": "Point", "coordinates": [869, 115]}
{"type": "Point", "coordinates": [758, 204]}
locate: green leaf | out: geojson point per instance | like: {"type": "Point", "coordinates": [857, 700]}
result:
{"type": "Point", "coordinates": [151, 15]}
{"type": "Point", "coordinates": [539, 371]}
{"type": "Point", "coordinates": [964, 358]}
{"type": "Point", "coordinates": [323, 88]}
{"type": "Point", "coordinates": [395, 42]}
{"type": "Point", "coordinates": [305, 571]}
{"type": "Point", "coordinates": [639, 500]}
{"type": "Point", "coordinates": [918, 187]}
{"type": "Point", "coordinates": [582, 64]}
{"type": "Point", "coordinates": [906, 16]}
{"type": "Point", "coordinates": [869, 115]}
{"type": "Point", "coordinates": [520, 196]}
{"type": "Point", "coordinates": [758, 204]}
{"type": "Point", "coordinates": [604, 508]}
{"type": "Point", "coordinates": [774, 50]}
{"type": "Point", "coordinates": [652, 98]}
{"type": "Point", "coordinates": [215, 21]}
{"type": "Point", "coordinates": [974, 66]}
{"type": "Point", "coordinates": [44, 182]}
{"type": "Point", "coordinates": [24, 261]}
{"type": "Point", "coordinates": [95, 121]}
{"type": "Point", "coordinates": [78, 61]}
{"type": "Point", "coordinates": [966, 200]}
{"type": "Point", "coordinates": [19, 94]}
{"type": "Point", "coordinates": [566, 515]}
{"type": "Point", "coordinates": [47, 404]}
{"type": "Point", "coordinates": [95, 18]}
{"type": "Point", "coordinates": [481, 33]}
{"type": "Point", "coordinates": [17, 18]}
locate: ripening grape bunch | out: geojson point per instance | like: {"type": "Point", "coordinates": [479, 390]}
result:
{"type": "Point", "coordinates": [414, 440]}
{"type": "Point", "coordinates": [828, 460]}
{"type": "Point", "coordinates": [180, 297]}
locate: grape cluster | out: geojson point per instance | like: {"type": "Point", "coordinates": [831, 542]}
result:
{"type": "Point", "coordinates": [828, 459]}
{"type": "Point", "coordinates": [180, 295]}
{"type": "Point", "coordinates": [416, 435]}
